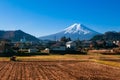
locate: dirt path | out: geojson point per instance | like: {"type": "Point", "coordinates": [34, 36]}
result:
{"type": "Point", "coordinates": [55, 70]}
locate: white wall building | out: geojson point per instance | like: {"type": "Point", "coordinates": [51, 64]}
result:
{"type": "Point", "coordinates": [71, 44]}
{"type": "Point", "coordinates": [32, 50]}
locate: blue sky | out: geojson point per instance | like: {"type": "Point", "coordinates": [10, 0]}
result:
{"type": "Point", "coordinates": [43, 17]}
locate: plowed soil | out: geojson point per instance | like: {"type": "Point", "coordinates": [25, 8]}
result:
{"type": "Point", "coordinates": [57, 70]}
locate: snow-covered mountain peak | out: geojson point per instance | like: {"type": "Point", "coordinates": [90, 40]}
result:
{"type": "Point", "coordinates": [74, 31]}
{"type": "Point", "coordinates": [77, 28]}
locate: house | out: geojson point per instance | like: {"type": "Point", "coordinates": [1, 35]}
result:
{"type": "Point", "coordinates": [110, 44]}
{"type": "Point", "coordinates": [32, 50]}
{"type": "Point", "coordinates": [47, 43]}
{"type": "Point", "coordinates": [59, 46]}
{"type": "Point", "coordinates": [117, 43]}
{"type": "Point", "coordinates": [71, 45]}
{"type": "Point", "coordinates": [46, 50]}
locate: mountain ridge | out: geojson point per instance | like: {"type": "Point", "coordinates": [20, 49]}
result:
{"type": "Point", "coordinates": [16, 35]}
{"type": "Point", "coordinates": [107, 36]}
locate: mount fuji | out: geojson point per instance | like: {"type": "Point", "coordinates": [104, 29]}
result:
{"type": "Point", "coordinates": [74, 31]}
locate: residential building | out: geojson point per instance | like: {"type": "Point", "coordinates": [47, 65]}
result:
{"type": "Point", "coordinates": [71, 45]}
{"type": "Point", "coordinates": [59, 46]}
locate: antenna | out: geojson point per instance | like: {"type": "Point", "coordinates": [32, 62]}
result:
{"type": "Point", "coordinates": [54, 38]}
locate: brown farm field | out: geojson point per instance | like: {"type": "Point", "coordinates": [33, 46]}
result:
{"type": "Point", "coordinates": [54, 70]}
{"type": "Point", "coordinates": [65, 67]}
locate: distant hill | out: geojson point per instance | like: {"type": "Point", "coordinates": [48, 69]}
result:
{"type": "Point", "coordinates": [107, 36]}
{"type": "Point", "coordinates": [74, 31]}
{"type": "Point", "coordinates": [17, 35]}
